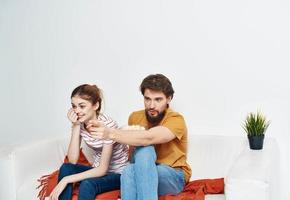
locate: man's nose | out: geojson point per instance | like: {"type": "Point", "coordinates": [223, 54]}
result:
{"type": "Point", "coordinates": [152, 104]}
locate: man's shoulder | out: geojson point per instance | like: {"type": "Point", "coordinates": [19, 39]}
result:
{"type": "Point", "coordinates": [175, 122]}
{"type": "Point", "coordinates": [138, 113]}
{"type": "Point", "coordinates": [172, 113]}
{"type": "Point", "coordinates": [137, 117]}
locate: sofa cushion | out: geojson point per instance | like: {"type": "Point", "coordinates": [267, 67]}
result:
{"type": "Point", "coordinates": [237, 189]}
{"type": "Point", "coordinates": [215, 197]}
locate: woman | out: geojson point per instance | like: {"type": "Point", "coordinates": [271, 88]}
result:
{"type": "Point", "coordinates": [109, 159]}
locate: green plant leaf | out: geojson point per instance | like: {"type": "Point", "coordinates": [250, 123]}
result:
{"type": "Point", "coordinates": [255, 124]}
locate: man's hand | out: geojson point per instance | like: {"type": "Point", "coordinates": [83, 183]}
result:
{"type": "Point", "coordinates": [98, 130]}
{"type": "Point", "coordinates": [58, 189]}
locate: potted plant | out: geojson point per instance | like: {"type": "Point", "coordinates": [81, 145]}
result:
{"type": "Point", "coordinates": [255, 126]}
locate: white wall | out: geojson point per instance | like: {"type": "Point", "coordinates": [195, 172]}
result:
{"type": "Point", "coordinates": [225, 59]}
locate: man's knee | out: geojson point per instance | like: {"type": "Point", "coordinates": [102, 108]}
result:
{"type": "Point", "coordinates": [170, 180]}
{"type": "Point", "coordinates": [128, 172]}
{"type": "Point", "coordinates": [145, 154]}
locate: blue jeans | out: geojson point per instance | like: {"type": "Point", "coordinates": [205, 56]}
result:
{"type": "Point", "coordinates": [143, 179]}
{"type": "Point", "coordinates": [90, 187]}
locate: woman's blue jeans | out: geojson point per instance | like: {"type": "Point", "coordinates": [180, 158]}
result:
{"type": "Point", "coordinates": [143, 179]}
{"type": "Point", "coordinates": [88, 188]}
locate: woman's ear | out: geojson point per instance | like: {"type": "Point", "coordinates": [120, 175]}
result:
{"type": "Point", "coordinates": [96, 106]}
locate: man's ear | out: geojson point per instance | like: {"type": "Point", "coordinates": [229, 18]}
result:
{"type": "Point", "coordinates": [96, 106]}
{"type": "Point", "coordinates": [168, 99]}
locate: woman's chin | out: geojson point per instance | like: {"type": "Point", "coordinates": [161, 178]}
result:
{"type": "Point", "coordinates": [85, 120]}
{"type": "Point", "coordinates": [81, 120]}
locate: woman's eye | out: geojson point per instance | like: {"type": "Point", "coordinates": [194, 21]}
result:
{"type": "Point", "coordinates": [82, 107]}
{"type": "Point", "coordinates": [73, 107]}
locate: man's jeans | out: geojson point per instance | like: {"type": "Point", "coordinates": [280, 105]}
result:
{"type": "Point", "coordinates": [144, 180]}
{"type": "Point", "coordinates": [88, 188]}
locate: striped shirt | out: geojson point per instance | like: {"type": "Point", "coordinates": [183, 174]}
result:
{"type": "Point", "coordinates": [120, 151]}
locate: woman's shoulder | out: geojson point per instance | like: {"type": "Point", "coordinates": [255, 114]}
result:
{"type": "Point", "coordinates": [107, 120]}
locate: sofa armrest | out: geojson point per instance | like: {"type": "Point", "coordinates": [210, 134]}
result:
{"type": "Point", "coordinates": [7, 190]}
{"type": "Point", "coordinates": [23, 164]}
{"type": "Point", "coordinates": [255, 174]}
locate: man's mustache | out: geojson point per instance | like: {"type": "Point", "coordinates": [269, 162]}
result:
{"type": "Point", "coordinates": [149, 110]}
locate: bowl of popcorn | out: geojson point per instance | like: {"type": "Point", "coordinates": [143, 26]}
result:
{"type": "Point", "coordinates": [133, 128]}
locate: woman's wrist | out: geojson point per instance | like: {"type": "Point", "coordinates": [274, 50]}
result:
{"type": "Point", "coordinates": [66, 179]}
{"type": "Point", "coordinates": [76, 123]}
{"type": "Point", "coordinates": [75, 126]}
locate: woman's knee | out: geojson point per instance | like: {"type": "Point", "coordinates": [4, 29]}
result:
{"type": "Point", "coordinates": [66, 169]}
{"type": "Point", "coordinates": [87, 190]}
{"type": "Point", "coordinates": [86, 186]}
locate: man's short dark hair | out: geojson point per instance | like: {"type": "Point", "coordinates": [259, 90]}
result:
{"type": "Point", "coordinates": [157, 82]}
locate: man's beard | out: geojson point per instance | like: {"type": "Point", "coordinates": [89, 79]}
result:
{"type": "Point", "coordinates": [155, 120]}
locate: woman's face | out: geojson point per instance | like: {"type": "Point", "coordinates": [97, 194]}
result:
{"type": "Point", "coordinates": [84, 109]}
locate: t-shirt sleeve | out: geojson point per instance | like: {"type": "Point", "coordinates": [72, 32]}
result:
{"type": "Point", "coordinates": [109, 122]}
{"type": "Point", "coordinates": [108, 142]}
{"type": "Point", "coordinates": [176, 125]}
{"type": "Point", "coordinates": [130, 120]}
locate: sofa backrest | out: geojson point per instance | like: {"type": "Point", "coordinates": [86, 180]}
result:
{"type": "Point", "coordinates": [211, 156]}
{"type": "Point", "coordinates": [42, 151]}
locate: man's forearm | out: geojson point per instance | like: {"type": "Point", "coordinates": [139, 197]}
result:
{"type": "Point", "coordinates": [131, 137]}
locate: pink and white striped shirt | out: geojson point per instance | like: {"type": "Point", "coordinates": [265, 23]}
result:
{"type": "Point", "coordinates": [120, 151]}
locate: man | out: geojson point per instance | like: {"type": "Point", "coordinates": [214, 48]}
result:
{"type": "Point", "coordinates": [158, 165]}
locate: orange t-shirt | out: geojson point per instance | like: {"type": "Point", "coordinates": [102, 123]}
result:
{"type": "Point", "coordinates": [174, 152]}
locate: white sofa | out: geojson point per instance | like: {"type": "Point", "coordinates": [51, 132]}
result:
{"type": "Point", "coordinates": [249, 175]}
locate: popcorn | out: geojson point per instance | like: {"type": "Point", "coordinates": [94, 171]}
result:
{"type": "Point", "coordinates": [133, 128]}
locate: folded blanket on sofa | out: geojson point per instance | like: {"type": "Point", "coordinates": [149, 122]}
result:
{"type": "Point", "coordinates": [194, 190]}
{"type": "Point", "coordinates": [197, 189]}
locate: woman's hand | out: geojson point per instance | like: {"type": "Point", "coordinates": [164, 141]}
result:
{"type": "Point", "coordinates": [73, 117]}
{"type": "Point", "coordinates": [58, 189]}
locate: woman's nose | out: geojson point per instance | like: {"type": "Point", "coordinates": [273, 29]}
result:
{"type": "Point", "coordinates": [77, 110]}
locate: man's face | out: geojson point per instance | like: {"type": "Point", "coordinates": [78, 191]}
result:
{"type": "Point", "coordinates": [155, 105]}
